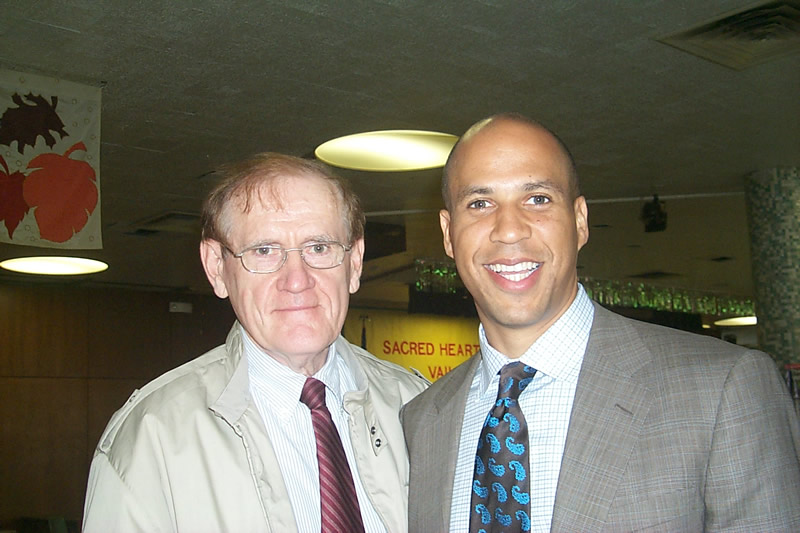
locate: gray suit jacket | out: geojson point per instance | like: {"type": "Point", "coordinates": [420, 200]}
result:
{"type": "Point", "coordinates": [669, 432]}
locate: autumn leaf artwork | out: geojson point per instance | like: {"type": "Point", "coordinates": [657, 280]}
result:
{"type": "Point", "coordinates": [33, 117]}
{"type": "Point", "coordinates": [12, 204]}
{"type": "Point", "coordinates": [60, 189]}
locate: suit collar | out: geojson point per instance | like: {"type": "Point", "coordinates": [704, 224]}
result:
{"type": "Point", "coordinates": [445, 420]}
{"type": "Point", "coordinates": [610, 407]}
{"type": "Point", "coordinates": [452, 393]}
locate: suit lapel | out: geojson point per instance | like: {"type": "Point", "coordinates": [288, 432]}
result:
{"type": "Point", "coordinates": [610, 407]}
{"type": "Point", "coordinates": [445, 420]}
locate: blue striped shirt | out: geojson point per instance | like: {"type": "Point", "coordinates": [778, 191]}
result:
{"type": "Point", "coordinates": [276, 392]}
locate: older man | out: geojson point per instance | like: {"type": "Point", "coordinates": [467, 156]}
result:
{"type": "Point", "coordinates": [572, 418]}
{"type": "Point", "coordinates": [286, 427]}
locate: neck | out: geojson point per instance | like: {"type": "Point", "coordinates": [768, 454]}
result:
{"type": "Point", "coordinates": [306, 364]}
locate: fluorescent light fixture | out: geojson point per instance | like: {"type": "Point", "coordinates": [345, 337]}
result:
{"type": "Point", "coordinates": [54, 265]}
{"type": "Point", "coordinates": [388, 151]}
{"type": "Point", "coordinates": [737, 321]}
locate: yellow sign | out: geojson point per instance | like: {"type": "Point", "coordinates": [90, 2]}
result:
{"type": "Point", "coordinates": [431, 345]}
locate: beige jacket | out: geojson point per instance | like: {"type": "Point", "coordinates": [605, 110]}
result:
{"type": "Point", "coordinates": [189, 451]}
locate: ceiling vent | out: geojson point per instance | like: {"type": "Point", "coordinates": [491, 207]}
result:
{"type": "Point", "coordinates": [171, 221]}
{"type": "Point", "coordinates": [745, 38]}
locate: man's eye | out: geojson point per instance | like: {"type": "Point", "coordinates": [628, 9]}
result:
{"type": "Point", "coordinates": [318, 248]}
{"type": "Point", "coordinates": [263, 251]}
{"type": "Point", "coordinates": [478, 204]}
{"type": "Point", "coordinates": [539, 199]}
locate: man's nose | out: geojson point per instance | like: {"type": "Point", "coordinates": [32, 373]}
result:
{"type": "Point", "coordinates": [295, 273]}
{"type": "Point", "coordinates": [510, 226]}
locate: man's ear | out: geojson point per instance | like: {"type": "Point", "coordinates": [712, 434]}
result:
{"type": "Point", "coordinates": [444, 222]}
{"type": "Point", "coordinates": [214, 265]}
{"type": "Point", "coordinates": [356, 264]}
{"type": "Point", "coordinates": [581, 220]}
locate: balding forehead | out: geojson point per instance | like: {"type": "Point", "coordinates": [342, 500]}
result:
{"type": "Point", "coordinates": [509, 124]}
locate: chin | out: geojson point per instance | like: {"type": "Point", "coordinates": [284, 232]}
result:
{"type": "Point", "coordinates": [512, 317]}
{"type": "Point", "coordinates": [302, 344]}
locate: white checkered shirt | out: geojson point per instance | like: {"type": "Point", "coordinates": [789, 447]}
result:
{"type": "Point", "coordinates": [547, 402]}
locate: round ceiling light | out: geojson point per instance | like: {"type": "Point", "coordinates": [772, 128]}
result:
{"type": "Point", "coordinates": [54, 265]}
{"type": "Point", "coordinates": [737, 321]}
{"type": "Point", "coordinates": [388, 151]}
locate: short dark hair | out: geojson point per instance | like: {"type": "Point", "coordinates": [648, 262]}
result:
{"type": "Point", "coordinates": [572, 172]}
{"type": "Point", "coordinates": [242, 181]}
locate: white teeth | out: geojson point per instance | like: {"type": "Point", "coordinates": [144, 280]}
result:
{"type": "Point", "coordinates": [516, 272]}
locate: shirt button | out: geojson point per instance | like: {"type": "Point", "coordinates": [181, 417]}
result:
{"type": "Point", "coordinates": [377, 443]}
{"type": "Point", "coordinates": [372, 430]}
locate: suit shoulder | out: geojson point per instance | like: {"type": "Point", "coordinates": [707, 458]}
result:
{"type": "Point", "coordinates": [662, 338]}
{"type": "Point", "coordinates": [445, 385]}
{"type": "Point", "coordinates": [675, 352]}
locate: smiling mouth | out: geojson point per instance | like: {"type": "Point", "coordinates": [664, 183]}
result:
{"type": "Point", "coordinates": [516, 272]}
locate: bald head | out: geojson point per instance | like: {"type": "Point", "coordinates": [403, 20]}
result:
{"type": "Point", "coordinates": [494, 121]}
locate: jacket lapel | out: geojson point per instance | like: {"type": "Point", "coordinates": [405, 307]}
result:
{"type": "Point", "coordinates": [610, 407]}
{"type": "Point", "coordinates": [445, 420]}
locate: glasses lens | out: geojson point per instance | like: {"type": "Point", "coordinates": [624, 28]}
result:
{"type": "Point", "coordinates": [323, 254]}
{"type": "Point", "coordinates": [263, 258]}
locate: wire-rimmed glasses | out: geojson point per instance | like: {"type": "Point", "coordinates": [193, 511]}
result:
{"type": "Point", "coordinates": [268, 258]}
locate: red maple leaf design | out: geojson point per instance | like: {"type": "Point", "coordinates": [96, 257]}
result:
{"type": "Point", "coordinates": [12, 204]}
{"type": "Point", "coordinates": [62, 192]}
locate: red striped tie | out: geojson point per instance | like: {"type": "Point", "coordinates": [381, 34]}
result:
{"type": "Point", "coordinates": [338, 501]}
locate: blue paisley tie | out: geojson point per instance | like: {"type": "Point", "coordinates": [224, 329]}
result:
{"type": "Point", "coordinates": [501, 484]}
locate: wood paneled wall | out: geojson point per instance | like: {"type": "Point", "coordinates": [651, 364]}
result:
{"type": "Point", "coordinates": [70, 357]}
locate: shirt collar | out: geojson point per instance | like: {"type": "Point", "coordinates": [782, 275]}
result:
{"type": "Point", "coordinates": [282, 386]}
{"type": "Point", "coordinates": [558, 353]}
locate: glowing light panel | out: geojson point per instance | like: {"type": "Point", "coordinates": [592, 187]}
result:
{"type": "Point", "coordinates": [737, 321]}
{"type": "Point", "coordinates": [388, 151]}
{"type": "Point", "coordinates": [54, 265]}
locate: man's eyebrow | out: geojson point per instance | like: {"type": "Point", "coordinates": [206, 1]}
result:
{"type": "Point", "coordinates": [547, 185]}
{"type": "Point", "coordinates": [468, 192]}
{"type": "Point", "coordinates": [261, 242]}
{"type": "Point", "coordinates": [269, 241]}
{"type": "Point", "coordinates": [530, 186]}
{"type": "Point", "coordinates": [322, 237]}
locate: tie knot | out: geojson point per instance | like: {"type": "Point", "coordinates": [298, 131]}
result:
{"type": "Point", "coordinates": [313, 394]}
{"type": "Point", "coordinates": [514, 377]}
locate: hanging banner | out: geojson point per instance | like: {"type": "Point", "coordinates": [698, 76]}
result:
{"type": "Point", "coordinates": [432, 345]}
{"type": "Point", "coordinates": [49, 162]}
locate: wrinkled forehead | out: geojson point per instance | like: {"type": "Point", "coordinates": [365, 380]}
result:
{"type": "Point", "coordinates": [276, 193]}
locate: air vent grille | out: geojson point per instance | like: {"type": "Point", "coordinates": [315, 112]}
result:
{"type": "Point", "coordinates": [172, 221]}
{"type": "Point", "coordinates": [745, 38]}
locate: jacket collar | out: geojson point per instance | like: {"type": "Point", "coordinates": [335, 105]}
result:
{"type": "Point", "coordinates": [235, 397]}
{"type": "Point", "coordinates": [345, 351]}
{"type": "Point", "coordinates": [611, 404]}
{"type": "Point", "coordinates": [357, 402]}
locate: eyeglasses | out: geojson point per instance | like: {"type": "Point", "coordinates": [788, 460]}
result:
{"type": "Point", "coordinates": [264, 259]}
